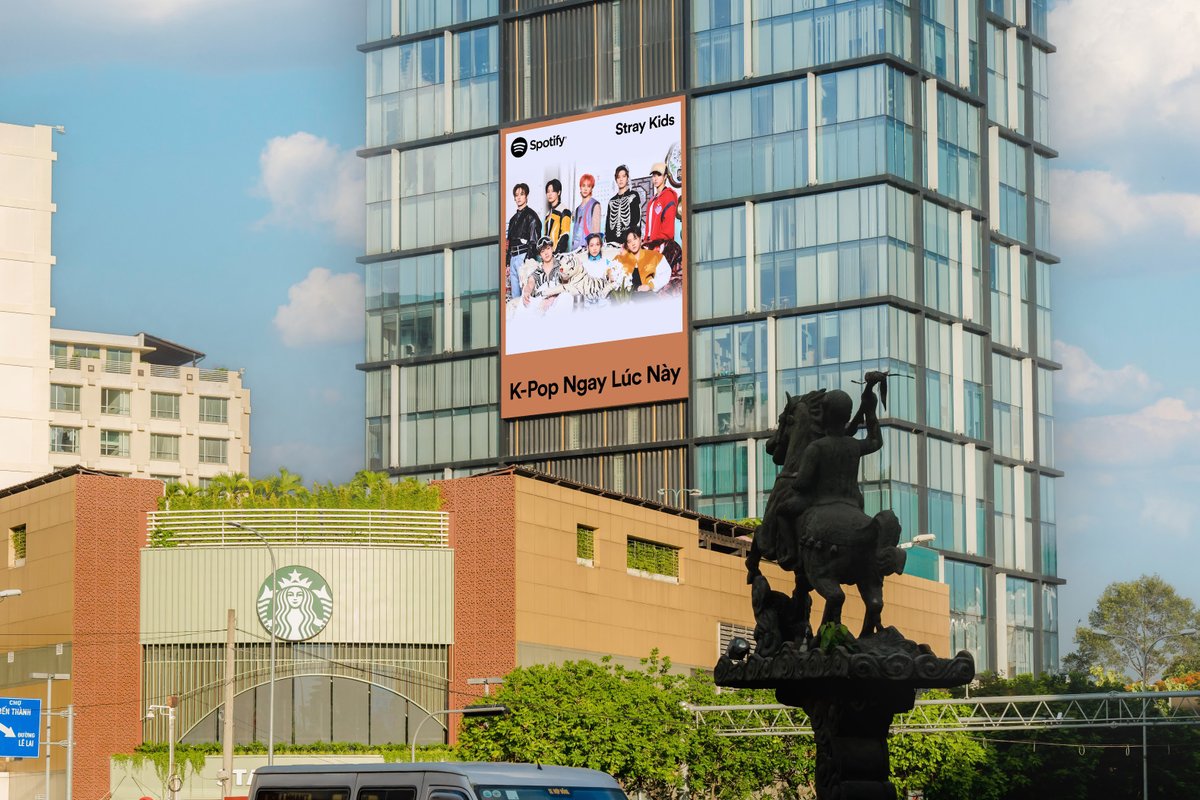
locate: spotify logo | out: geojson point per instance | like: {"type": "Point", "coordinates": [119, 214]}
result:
{"type": "Point", "coordinates": [519, 147]}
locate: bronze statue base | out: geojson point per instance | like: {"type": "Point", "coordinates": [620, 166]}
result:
{"type": "Point", "coordinates": [850, 695]}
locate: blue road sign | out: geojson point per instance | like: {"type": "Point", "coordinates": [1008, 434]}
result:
{"type": "Point", "coordinates": [20, 727]}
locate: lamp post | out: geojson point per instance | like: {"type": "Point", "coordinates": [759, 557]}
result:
{"type": "Point", "coordinates": [676, 495]}
{"type": "Point", "coordinates": [173, 783]}
{"type": "Point", "coordinates": [49, 678]}
{"type": "Point", "coordinates": [274, 628]}
{"type": "Point", "coordinates": [1147, 651]}
{"type": "Point", "coordinates": [473, 711]}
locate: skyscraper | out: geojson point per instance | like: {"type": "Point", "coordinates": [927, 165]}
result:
{"type": "Point", "coordinates": [864, 186]}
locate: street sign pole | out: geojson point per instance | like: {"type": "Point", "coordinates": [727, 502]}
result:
{"type": "Point", "coordinates": [50, 678]}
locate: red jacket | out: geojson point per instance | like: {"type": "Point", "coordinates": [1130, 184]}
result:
{"type": "Point", "coordinates": [660, 215]}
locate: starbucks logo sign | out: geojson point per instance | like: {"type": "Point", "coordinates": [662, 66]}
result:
{"type": "Point", "coordinates": [301, 606]}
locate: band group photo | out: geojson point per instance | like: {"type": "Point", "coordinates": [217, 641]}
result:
{"type": "Point", "coordinates": [605, 252]}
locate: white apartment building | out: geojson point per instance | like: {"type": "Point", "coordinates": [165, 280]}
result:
{"type": "Point", "coordinates": [140, 405]}
{"type": "Point", "coordinates": [26, 156]}
{"type": "Point", "coordinates": [137, 405]}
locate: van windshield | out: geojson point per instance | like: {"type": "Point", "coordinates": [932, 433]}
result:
{"type": "Point", "coordinates": [548, 793]}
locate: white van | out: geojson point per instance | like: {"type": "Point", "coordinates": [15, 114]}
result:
{"type": "Point", "coordinates": [432, 781]}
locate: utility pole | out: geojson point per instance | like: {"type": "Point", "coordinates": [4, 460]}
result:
{"type": "Point", "coordinates": [227, 734]}
{"type": "Point", "coordinates": [50, 678]}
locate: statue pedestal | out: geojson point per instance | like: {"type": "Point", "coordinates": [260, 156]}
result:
{"type": "Point", "coordinates": [850, 695]}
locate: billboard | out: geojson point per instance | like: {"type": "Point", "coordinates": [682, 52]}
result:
{"type": "Point", "coordinates": [593, 253]}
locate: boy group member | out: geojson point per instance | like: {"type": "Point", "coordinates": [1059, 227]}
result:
{"type": "Point", "coordinates": [646, 269]}
{"type": "Point", "coordinates": [661, 208]}
{"type": "Point", "coordinates": [587, 215]}
{"type": "Point", "coordinates": [524, 229]}
{"type": "Point", "coordinates": [624, 209]}
{"type": "Point", "coordinates": [544, 279]}
{"type": "Point", "coordinates": [557, 225]}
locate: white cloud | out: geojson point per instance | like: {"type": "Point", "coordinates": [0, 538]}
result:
{"type": "Point", "coordinates": [324, 308]}
{"type": "Point", "coordinates": [1165, 434]}
{"type": "Point", "coordinates": [1168, 513]}
{"type": "Point", "coordinates": [1084, 381]}
{"type": "Point", "coordinates": [1094, 207]}
{"type": "Point", "coordinates": [309, 180]}
{"type": "Point", "coordinates": [209, 35]}
{"type": "Point", "coordinates": [1123, 67]}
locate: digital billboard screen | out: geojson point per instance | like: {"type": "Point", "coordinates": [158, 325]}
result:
{"type": "Point", "coordinates": [593, 254]}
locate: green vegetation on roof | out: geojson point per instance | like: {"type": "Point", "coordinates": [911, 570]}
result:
{"type": "Point", "coordinates": [287, 490]}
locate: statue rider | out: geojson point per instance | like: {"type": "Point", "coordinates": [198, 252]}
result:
{"type": "Point", "coordinates": [826, 475]}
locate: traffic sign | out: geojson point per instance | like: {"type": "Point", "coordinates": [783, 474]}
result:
{"type": "Point", "coordinates": [20, 727]}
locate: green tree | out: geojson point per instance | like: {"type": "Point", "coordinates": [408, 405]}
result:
{"type": "Point", "coordinates": [942, 765]}
{"type": "Point", "coordinates": [625, 722]}
{"type": "Point", "coordinates": [1137, 627]}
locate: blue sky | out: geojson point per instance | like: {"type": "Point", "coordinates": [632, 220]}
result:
{"type": "Point", "coordinates": [208, 193]}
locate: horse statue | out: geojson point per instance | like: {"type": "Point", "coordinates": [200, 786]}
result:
{"type": "Point", "coordinates": [814, 524]}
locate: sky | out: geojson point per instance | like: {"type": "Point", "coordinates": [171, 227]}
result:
{"type": "Point", "coordinates": [208, 193]}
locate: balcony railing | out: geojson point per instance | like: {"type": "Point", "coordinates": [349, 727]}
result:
{"type": "Point", "coordinates": [66, 362]}
{"type": "Point", "coordinates": [329, 527]}
{"type": "Point", "coordinates": [163, 371]}
{"type": "Point", "coordinates": [118, 367]}
{"type": "Point", "coordinates": [215, 375]}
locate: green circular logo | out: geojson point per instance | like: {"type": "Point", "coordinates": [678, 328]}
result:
{"type": "Point", "coordinates": [296, 602]}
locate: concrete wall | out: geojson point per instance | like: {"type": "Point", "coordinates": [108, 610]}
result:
{"type": "Point", "coordinates": [26, 208]}
{"type": "Point", "coordinates": [78, 615]}
{"type": "Point", "coordinates": [567, 608]}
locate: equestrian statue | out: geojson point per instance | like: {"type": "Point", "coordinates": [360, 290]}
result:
{"type": "Point", "coordinates": [814, 525]}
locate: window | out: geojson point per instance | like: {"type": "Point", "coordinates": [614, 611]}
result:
{"type": "Point", "coordinates": [164, 406]}
{"type": "Point", "coordinates": [115, 402]}
{"type": "Point", "coordinates": [585, 544]}
{"type": "Point", "coordinates": [1019, 598]}
{"type": "Point", "coordinates": [64, 398]}
{"type": "Point", "coordinates": [164, 448]}
{"type": "Point", "coordinates": [448, 192]}
{"type": "Point", "coordinates": [213, 451]}
{"type": "Point", "coordinates": [593, 54]}
{"type": "Point", "coordinates": [750, 141]}
{"type": "Point", "coordinates": [731, 379]}
{"type": "Point", "coordinates": [214, 409]}
{"type": "Point", "coordinates": [86, 351]}
{"type": "Point", "coordinates": [16, 546]}
{"type": "Point", "coordinates": [64, 440]}
{"type": "Point", "coordinates": [114, 443]}
{"type": "Point", "coordinates": [968, 610]}
{"type": "Point", "coordinates": [118, 361]}
{"type": "Point", "coordinates": [651, 558]}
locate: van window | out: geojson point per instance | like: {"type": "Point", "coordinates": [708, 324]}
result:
{"type": "Point", "coordinates": [444, 794]}
{"type": "Point", "coordinates": [390, 793]}
{"type": "Point", "coordinates": [548, 793]}
{"type": "Point", "coordinates": [303, 794]}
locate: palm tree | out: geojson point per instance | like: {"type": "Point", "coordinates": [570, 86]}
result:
{"type": "Point", "coordinates": [231, 487]}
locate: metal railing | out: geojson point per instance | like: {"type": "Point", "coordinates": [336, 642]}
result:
{"type": "Point", "coordinates": [215, 375]}
{"type": "Point", "coordinates": [341, 527]}
{"type": "Point", "coordinates": [1025, 712]}
{"type": "Point", "coordinates": [66, 362]}
{"type": "Point", "coordinates": [163, 371]}
{"type": "Point", "coordinates": [118, 367]}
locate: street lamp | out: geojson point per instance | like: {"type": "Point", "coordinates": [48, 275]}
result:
{"type": "Point", "coordinates": [274, 627]}
{"type": "Point", "coordinates": [920, 538]}
{"type": "Point", "coordinates": [472, 711]}
{"type": "Point", "coordinates": [1145, 665]}
{"type": "Point", "coordinates": [677, 495]}
{"type": "Point", "coordinates": [173, 782]}
{"type": "Point", "coordinates": [5, 593]}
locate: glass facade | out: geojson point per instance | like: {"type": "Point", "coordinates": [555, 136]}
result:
{"type": "Point", "coordinates": [842, 217]}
